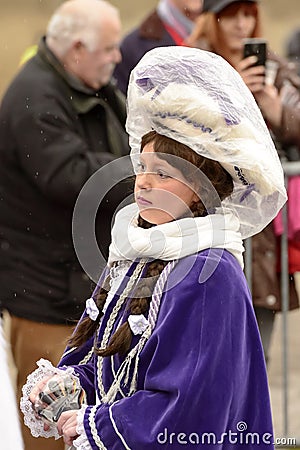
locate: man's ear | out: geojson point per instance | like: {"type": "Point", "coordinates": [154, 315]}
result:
{"type": "Point", "coordinates": [76, 51]}
{"type": "Point", "coordinates": [78, 45]}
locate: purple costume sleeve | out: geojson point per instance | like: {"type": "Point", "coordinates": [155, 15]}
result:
{"type": "Point", "coordinates": [202, 378]}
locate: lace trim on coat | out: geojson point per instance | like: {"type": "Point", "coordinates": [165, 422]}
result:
{"type": "Point", "coordinates": [36, 426]}
{"type": "Point", "coordinates": [81, 442]}
{"type": "Point", "coordinates": [117, 274]}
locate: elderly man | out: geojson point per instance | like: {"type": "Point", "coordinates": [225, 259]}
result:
{"type": "Point", "coordinates": [61, 120]}
{"type": "Point", "coordinates": [169, 24]}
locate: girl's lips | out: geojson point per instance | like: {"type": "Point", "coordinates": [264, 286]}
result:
{"type": "Point", "coordinates": [142, 201]}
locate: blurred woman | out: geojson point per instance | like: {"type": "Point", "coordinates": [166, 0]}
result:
{"type": "Point", "coordinates": [221, 29]}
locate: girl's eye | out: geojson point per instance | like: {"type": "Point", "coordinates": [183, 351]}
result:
{"type": "Point", "coordinates": [162, 175]}
{"type": "Point", "coordinates": [140, 167]}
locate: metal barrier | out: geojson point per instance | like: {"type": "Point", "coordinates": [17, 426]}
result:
{"type": "Point", "coordinates": [290, 169]}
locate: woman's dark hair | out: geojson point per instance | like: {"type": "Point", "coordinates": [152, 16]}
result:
{"type": "Point", "coordinates": [222, 182]}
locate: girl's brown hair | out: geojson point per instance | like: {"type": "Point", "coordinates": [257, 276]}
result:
{"type": "Point", "coordinates": [206, 32]}
{"type": "Point", "coordinates": [120, 341]}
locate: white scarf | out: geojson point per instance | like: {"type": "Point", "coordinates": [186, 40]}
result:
{"type": "Point", "coordinates": [173, 240]}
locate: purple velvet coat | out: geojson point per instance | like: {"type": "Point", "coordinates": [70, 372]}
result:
{"type": "Point", "coordinates": [201, 376]}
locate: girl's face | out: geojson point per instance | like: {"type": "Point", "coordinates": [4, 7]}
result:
{"type": "Point", "coordinates": [161, 191]}
{"type": "Point", "coordinates": [236, 22]}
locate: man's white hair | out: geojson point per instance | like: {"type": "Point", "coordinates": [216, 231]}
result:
{"type": "Point", "coordinates": [78, 20]}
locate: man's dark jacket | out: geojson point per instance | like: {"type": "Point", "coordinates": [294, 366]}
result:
{"type": "Point", "coordinates": [150, 34]}
{"type": "Point", "coordinates": [54, 134]}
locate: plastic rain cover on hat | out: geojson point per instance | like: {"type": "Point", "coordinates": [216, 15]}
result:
{"type": "Point", "coordinates": [196, 97]}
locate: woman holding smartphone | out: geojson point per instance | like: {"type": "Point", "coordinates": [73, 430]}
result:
{"type": "Point", "coordinates": [223, 28]}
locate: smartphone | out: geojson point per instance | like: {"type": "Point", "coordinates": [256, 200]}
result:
{"type": "Point", "coordinates": [257, 47]}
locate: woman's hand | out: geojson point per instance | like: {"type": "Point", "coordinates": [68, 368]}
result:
{"type": "Point", "coordinates": [266, 96]}
{"type": "Point", "coordinates": [252, 75]}
{"type": "Point", "coordinates": [67, 425]}
{"type": "Point", "coordinates": [270, 104]}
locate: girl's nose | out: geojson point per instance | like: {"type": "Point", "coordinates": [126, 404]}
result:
{"type": "Point", "coordinates": [143, 180]}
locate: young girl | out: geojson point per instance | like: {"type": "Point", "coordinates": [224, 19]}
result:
{"type": "Point", "coordinates": [168, 351]}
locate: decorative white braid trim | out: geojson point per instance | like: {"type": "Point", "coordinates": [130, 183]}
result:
{"type": "Point", "coordinates": [123, 373]}
{"type": "Point", "coordinates": [115, 374]}
{"type": "Point", "coordinates": [87, 357]}
{"type": "Point", "coordinates": [157, 293]}
{"type": "Point", "coordinates": [70, 350]}
{"type": "Point", "coordinates": [142, 342]}
{"type": "Point", "coordinates": [116, 429]}
{"type": "Point", "coordinates": [152, 317]}
{"type": "Point", "coordinates": [112, 319]}
{"type": "Point", "coordinates": [92, 424]}
{"type": "Point", "coordinates": [124, 370]}
{"type": "Point", "coordinates": [116, 274]}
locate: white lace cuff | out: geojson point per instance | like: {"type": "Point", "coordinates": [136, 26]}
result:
{"type": "Point", "coordinates": [81, 443]}
{"type": "Point", "coordinates": [36, 426]}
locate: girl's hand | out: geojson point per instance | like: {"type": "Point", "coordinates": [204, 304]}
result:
{"type": "Point", "coordinates": [34, 395]}
{"type": "Point", "coordinates": [67, 425]}
{"type": "Point", "coordinates": [253, 76]}
{"type": "Point", "coordinates": [39, 387]}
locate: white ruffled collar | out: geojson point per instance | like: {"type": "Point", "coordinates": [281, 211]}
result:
{"type": "Point", "coordinates": [173, 240]}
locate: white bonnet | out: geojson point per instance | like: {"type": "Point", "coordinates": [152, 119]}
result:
{"type": "Point", "coordinates": [197, 98]}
